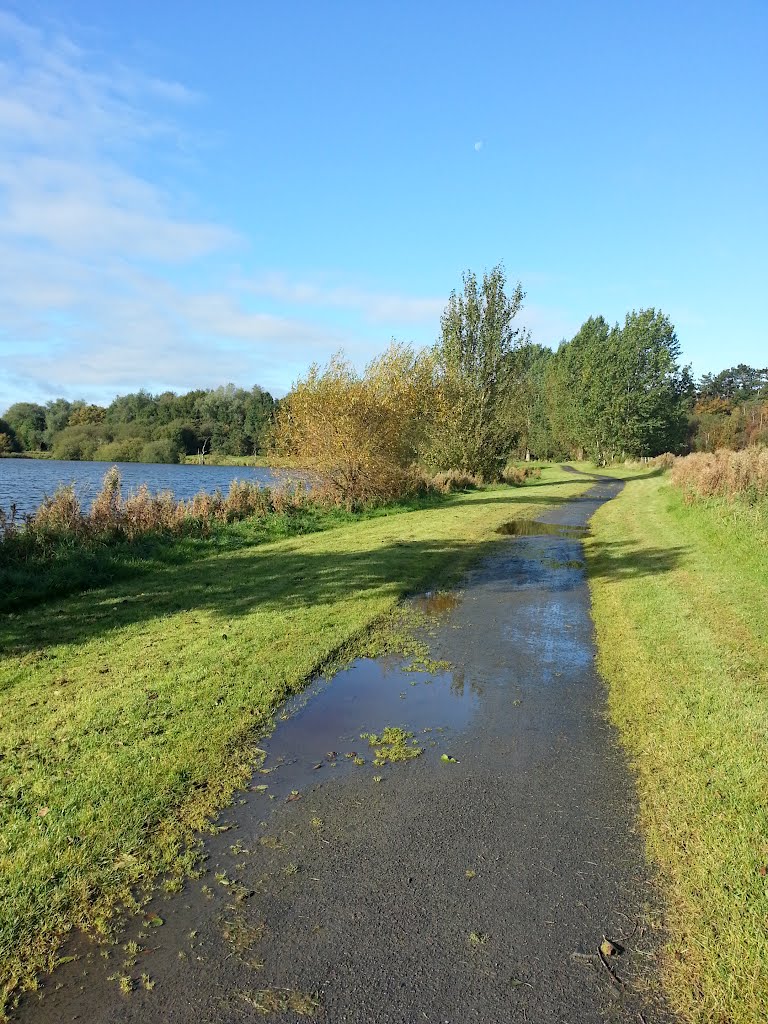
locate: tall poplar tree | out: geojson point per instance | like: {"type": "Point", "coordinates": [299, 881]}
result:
{"type": "Point", "coordinates": [473, 360]}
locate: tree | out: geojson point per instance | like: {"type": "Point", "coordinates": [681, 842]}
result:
{"type": "Point", "coordinates": [82, 415]}
{"type": "Point", "coordinates": [359, 433]}
{"type": "Point", "coordinates": [473, 358]}
{"type": "Point", "coordinates": [57, 413]}
{"type": "Point", "coordinates": [526, 408]}
{"type": "Point", "coordinates": [27, 421]}
{"type": "Point", "coordinates": [620, 391]}
{"type": "Point", "coordinates": [740, 383]}
{"type": "Point", "coordinates": [8, 442]}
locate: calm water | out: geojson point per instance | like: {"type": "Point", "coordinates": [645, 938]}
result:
{"type": "Point", "coordinates": [27, 481]}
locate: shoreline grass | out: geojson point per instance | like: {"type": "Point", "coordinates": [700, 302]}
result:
{"type": "Point", "coordinates": [131, 712]}
{"type": "Point", "coordinates": [680, 606]}
{"type": "Point", "coordinates": [73, 565]}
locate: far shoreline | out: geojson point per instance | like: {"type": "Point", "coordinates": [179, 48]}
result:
{"type": "Point", "coordinates": [254, 461]}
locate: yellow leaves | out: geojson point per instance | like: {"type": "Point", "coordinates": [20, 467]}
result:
{"type": "Point", "coordinates": [360, 433]}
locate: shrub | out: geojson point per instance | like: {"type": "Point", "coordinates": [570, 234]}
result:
{"type": "Point", "coordinates": [163, 451]}
{"type": "Point", "coordinates": [517, 476]}
{"type": "Point", "coordinates": [452, 480]}
{"type": "Point", "coordinates": [360, 434]}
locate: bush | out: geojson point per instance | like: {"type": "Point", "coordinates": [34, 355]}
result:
{"type": "Point", "coordinates": [126, 450]}
{"type": "Point", "coordinates": [517, 476]}
{"type": "Point", "coordinates": [451, 480]}
{"type": "Point", "coordinates": [360, 434]}
{"type": "Point", "coordinates": [78, 443]}
{"type": "Point", "coordinates": [163, 451]}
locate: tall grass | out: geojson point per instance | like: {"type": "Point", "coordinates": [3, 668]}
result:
{"type": "Point", "coordinates": [61, 519]}
{"type": "Point", "coordinates": [741, 475]}
{"type": "Point", "coordinates": [518, 476]}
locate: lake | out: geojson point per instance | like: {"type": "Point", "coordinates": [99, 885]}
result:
{"type": "Point", "coordinates": [25, 482]}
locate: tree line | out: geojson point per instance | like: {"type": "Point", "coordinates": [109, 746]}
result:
{"type": "Point", "coordinates": [142, 427]}
{"type": "Point", "coordinates": [481, 396]}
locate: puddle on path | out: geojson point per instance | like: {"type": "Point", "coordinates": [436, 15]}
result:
{"type": "Point", "coordinates": [316, 742]}
{"type": "Point", "coordinates": [329, 717]}
{"type": "Point", "coordinates": [531, 528]}
{"type": "Point", "coordinates": [436, 602]}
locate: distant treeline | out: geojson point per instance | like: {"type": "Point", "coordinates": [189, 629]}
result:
{"type": "Point", "coordinates": [731, 410]}
{"type": "Point", "coordinates": [142, 427]}
{"type": "Point", "coordinates": [481, 396]}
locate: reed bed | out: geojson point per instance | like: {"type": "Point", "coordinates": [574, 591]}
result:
{"type": "Point", "coordinates": [61, 518]}
{"type": "Point", "coordinates": [61, 521]}
{"type": "Point", "coordinates": [735, 475]}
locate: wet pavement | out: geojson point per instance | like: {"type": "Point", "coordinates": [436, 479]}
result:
{"type": "Point", "coordinates": [475, 882]}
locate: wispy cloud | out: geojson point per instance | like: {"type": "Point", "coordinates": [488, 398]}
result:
{"type": "Point", "coordinates": [89, 247]}
{"type": "Point", "coordinates": [96, 257]}
{"type": "Point", "coordinates": [377, 307]}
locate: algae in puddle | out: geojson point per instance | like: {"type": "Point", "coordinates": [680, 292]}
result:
{"type": "Point", "coordinates": [394, 744]}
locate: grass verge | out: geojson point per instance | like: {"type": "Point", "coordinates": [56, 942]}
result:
{"type": "Point", "coordinates": [130, 713]}
{"type": "Point", "coordinates": [680, 605]}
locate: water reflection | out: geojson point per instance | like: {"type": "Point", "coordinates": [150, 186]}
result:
{"type": "Point", "coordinates": [531, 528]}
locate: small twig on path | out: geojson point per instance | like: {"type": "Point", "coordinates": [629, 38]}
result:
{"type": "Point", "coordinates": [614, 977]}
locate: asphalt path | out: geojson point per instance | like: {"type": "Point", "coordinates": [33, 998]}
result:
{"type": "Point", "coordinates": [475, 889]}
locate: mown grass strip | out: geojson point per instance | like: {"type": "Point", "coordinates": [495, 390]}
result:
{"type": "Point", "coordinates": [680, 603]}
{"type": "Point", "coordinates": [130, 712]}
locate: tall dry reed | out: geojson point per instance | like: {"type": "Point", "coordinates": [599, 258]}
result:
{"type": "Point", "coordinates": [61, 518]}
{"type": "Point", "coordinates": [724, 474]}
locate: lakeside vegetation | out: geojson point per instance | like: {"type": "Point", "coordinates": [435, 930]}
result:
{"type": "Point", "coordinates": [680, 606]}
{"type": "Point", "coordinates": [131, 712]}
{"type": "Point", "coordinates": [62, 547]}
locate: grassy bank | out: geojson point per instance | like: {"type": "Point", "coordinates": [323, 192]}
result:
{"type": "Point", "coordinates": [130, 712]}
{"type": "Point", "coordinates": [76, 563]}
{"type": "Point", "coordinates": [681, 612]}
{"type": "Point", "coordinates": [26, 455]}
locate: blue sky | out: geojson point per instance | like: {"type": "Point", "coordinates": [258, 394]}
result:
{"type": "Point", "coordinates": [192, 193]}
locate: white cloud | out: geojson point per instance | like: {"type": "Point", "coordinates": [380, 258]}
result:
{"type": "Point", "coordinates": [93, 252]}
{"type": "Point", "coordinates": [376, 307]}
{"type": "Point", "coordinates": [478, 145]}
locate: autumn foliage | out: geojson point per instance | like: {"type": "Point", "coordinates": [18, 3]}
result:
{"type": "Point", "coordinates": [361, 433]}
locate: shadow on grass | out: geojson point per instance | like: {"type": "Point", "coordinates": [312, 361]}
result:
{"type": "Point", "coordinates": [74, 569]}
{"type": "Point", "coordinates": [622, 560]}
{"type": "Point", "coordinates": [231, 585]}
{"type": "Point", "coordinates": [597, 477]}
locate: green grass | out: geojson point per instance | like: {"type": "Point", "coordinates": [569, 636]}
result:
{"type": "Point", "coordinates": [681, 612]}
{"type": "Point", "coordinates": [66, 568]}
{"type": "Point", "coordinates": [131, 712]}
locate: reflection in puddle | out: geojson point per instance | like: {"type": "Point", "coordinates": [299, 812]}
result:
{"type": "Point", "coordinates": [436, 602]}
{"type": "Point", "coordinates": [365, 697]}
{"type": "Point", "coordinates": [530, 528]}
